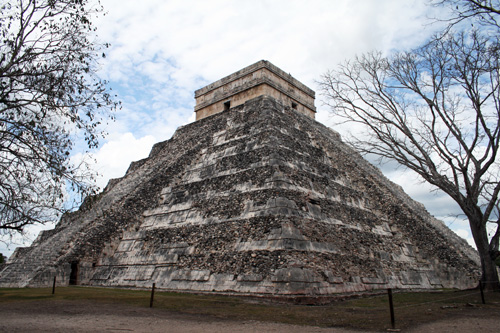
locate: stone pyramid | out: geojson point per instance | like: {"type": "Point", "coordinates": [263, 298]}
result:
{"type": "Point", "coordinates": [257, 199]}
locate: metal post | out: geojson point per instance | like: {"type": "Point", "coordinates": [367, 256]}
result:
{"type": "Point", "coordinates": [152, 296]}
{"type": "Point", "coordinates": [391, 306]}
{"type": "Point", "coordinates": [482, 291]}
{"type": "Point", "coordinates": [54, 286]}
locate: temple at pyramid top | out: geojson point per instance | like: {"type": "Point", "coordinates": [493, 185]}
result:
{"type": "Point", "coordinates": [261, 78]}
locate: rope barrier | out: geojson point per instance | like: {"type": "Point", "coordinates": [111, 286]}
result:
{"type": "Point", "coordinates": [448, 298]}
{"type": "Point", "coordinates": [391, 304]}
{"type": "Point", "coordinates": [436, 301]}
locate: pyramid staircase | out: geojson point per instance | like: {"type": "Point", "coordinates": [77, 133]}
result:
{"type": "Point", "coordinates": [260, 200]}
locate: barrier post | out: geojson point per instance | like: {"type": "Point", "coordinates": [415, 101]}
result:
{"type": "Point", "coordinates": [54, 286]}
{"type": "Point", "coordinates": [152, 296]}
{"type": "Point", "coordinates": [482, 291]}
{"type": "Point", "coordinates": [391, 306]}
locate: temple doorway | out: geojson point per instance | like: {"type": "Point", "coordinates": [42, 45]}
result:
{"type": "Point", "coordinates": [73, 276]}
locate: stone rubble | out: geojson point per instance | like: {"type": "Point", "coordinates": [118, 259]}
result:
{"type": "Point", "coordinates": [260, 200]}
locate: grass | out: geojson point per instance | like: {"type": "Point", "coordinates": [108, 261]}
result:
{"type": "Point", "coordinates": [372, 312]}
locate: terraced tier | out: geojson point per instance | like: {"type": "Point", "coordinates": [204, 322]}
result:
{"type": "Point", "coordinates": [259, 199]}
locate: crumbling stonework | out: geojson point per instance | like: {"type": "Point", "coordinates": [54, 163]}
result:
{"type": "Point", "coordinates": [259, 79]}
{"type": "Point", "coordinates": [259, 199]}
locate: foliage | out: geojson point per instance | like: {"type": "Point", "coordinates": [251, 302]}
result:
{"type": "Point", "coordinates": [49, 97]}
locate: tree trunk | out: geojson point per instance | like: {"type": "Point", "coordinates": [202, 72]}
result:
{"type": "Point", "coordinates": [490, 273]}
{"type": "Point", "coordinates": [489, 276]}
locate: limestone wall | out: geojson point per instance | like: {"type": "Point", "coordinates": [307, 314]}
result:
{"type": "Point", "coordinates": [256, 200]}
{"type": "Point", "coordinates": [259, 79]}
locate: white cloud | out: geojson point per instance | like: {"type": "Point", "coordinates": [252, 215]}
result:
{"type": "Point", "coordinates": [115, 156]}
{"type": "Point", "coordinates": [215, 38]}
{"type": "Point", "coordinates": [465, 234]}
{"type": "Point", "coordinates": [162, 51]}
{"type": "Point", "coordinates": [9, 243]}
{"type": "Point", "coordinates": [436, 201]}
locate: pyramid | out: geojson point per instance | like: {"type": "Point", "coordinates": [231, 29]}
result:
{"type": "Point", "coordinates": [254, 199]}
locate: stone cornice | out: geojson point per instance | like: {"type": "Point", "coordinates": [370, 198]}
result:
{"type": "Point", "coordinates": [253, 68]}
{"type": "Point", "coordinates": [250, 84]}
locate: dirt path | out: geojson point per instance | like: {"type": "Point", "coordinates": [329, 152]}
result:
{"type": "Point", "coordinates": [84, 316]}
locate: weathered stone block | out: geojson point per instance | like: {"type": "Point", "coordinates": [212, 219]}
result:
{"type": "Point", "coordinates": [332, 278]}
{"type": "Point", "coordinates": [411, 277]}
{"type": "Point", "coordinates": [191, 275]}
{"type": "Point", "coordinates": [250, 277]}
{"type": "Point", "coordinates": [374, 280]}
{"type": "Point", "coordinates": [314, 210]}
{"type": "Point", "coordinates": [125, 246]}
{"type": "Point", "coordinates": [258, 199]}
{"type": "Point", "coordinates": [295, 275]}
{"type": "Point", "coordinates": [284, 202]}
{"type": "Point", "coordinates": [433, 278]}
{"type": "Point", "coordinates": [139, 273]}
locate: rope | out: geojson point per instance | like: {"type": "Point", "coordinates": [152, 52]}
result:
{"type": "Point", "coordinates": [436, 301]}
{"type": "Point", "coordinates": [446, 299]}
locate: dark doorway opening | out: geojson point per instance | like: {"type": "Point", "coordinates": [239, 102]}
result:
{"type": "Point", "coordinates": [73, 276]}
{"type": "Point", "coordinates": [294, 105]}
{"type": "Point", "coordinates": [227, 105]}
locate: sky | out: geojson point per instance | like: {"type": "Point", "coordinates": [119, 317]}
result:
{"type": "Point", "coordinates": [163, 50]}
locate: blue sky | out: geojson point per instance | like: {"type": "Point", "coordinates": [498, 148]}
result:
{"type": "Point", "coordinates": [162, 51]}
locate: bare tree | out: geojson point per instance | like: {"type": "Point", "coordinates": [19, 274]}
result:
{"type": "Point", "coordinates": [485, 12]}
{"type": "Point", "coordinates": [436, 111]}
{"type": "Point", "coordinates": [49, 96]}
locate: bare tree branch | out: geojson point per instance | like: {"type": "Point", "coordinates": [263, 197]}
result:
{"type": "Point", "coordinates": [484, 12]}
{"type": "Point", "coordinates": [49, 90]}
{"type": "Point", "coordinates": [435, 111]}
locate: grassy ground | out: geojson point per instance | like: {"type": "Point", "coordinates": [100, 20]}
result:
{"type": "Point", "coordinates": [372, 312]}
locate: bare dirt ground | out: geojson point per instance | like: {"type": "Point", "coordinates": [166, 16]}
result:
{"type": "Point", "coordinates": [86, 316]}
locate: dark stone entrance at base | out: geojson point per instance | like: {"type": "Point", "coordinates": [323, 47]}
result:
{"type": "Point", "coordinates": [73, 276]}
